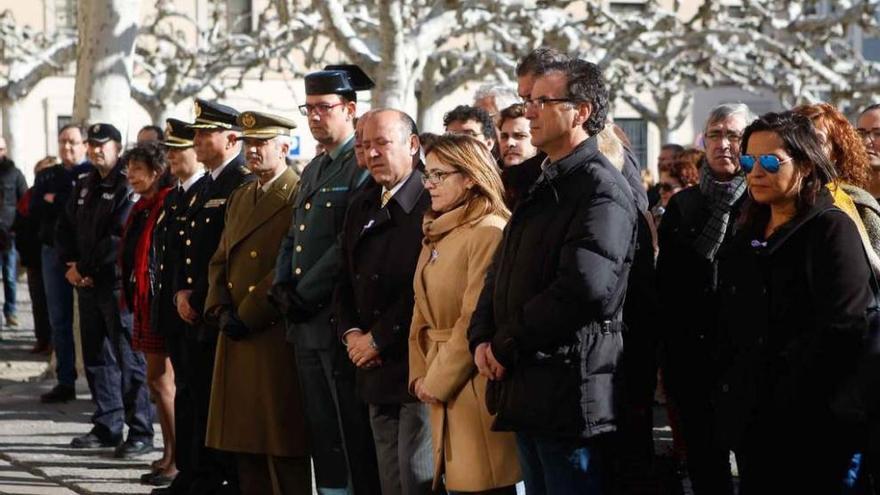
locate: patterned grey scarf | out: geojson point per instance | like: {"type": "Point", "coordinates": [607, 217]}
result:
{"type": "Point", "coordinates": [721, 196]}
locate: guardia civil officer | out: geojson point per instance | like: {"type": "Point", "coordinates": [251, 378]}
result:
{"type": "Point", "coordinates": [87, 239]}
{"type": "Point", "coordinates": [168, 259]}
{"type": "Point", "coordinates": [308, 262]}
{"type": "Point", "coordinates": [217, 147]}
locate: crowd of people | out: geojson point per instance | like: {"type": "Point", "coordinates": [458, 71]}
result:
{"type": "Point", "coordinates": [415, 313]}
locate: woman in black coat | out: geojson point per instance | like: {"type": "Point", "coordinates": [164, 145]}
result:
{"type": "Point", "coordinates": [795, 287]}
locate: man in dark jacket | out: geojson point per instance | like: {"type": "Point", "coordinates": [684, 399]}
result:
{"type": "Point", "coordinates": [88, 237]}
{"type": "Point", "coordinates": [547, 328]}
{"type": "Point", "coordinates": [12, 188]}
{"type": "Point", "coordinates": [306, 270]}
{"type": "Point", "coordinates": [52, 188]}
{"type": "Point", "coordinates": [698, 222]}
{"type": "Point", "coordinates": [217, 146]}
{"type": "Point", "coordinates": [374, 299]}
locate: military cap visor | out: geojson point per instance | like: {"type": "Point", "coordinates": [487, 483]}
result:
{"type": "Point", "coordinates": [101, 133]}
{"type": "Point", "coordinates": [338, 79]}
{"type": "Point", "coordinates": [259, 125]}
{"type": "Point", "coordinates": [178, 134]}
{"type": "Point", "coordinates": [215, 116]}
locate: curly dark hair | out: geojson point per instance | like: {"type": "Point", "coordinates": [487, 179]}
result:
{"type": "Point", "coordinates": [804, 146]}
{"type": "Point", "coordinates": [537, 61]}
{"type": "Point", "coordinates": [847, 150]}
{"type": "Point", "coordinates": [585, 83]}
{"type": "Point", "coordinates": [463, 113]}
{"type": "Point", "coordinates": [686, 168]}
{"type": "Point", "coordinates": [151, 154]}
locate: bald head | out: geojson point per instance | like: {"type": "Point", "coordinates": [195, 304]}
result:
{"type": "Point", "coordinates": [391, 145]}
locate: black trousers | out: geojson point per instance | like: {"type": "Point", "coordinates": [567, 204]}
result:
{"type": "Point", "coordinates": [338, 421]}
{"type": "Point", "coordinates": [42, 328]}
{"type": "Point", "coordinates": [116, 374]}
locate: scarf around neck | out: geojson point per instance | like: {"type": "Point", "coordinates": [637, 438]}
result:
{"type": "Point", "coordinates": [721, 197]}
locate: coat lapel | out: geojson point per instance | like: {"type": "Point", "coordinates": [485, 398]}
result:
{"type": "Point", "coordinates": [269, 204]}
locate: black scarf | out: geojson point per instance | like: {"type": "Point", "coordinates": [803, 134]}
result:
{"type": "Point", "coordinates": [721, 196]}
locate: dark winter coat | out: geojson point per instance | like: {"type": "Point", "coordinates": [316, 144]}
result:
{"type": "Point", "coordinates": [12, 188]}
{"type": "Point", "coordinates": [551, 306]}
{"type": "Point", "coordinates": [380, 249]}
{"type": "Point", "coordinates": [517, 180]}
{"type": "Point", "coordinates": [792, 324]}
{"type": "Point", "coordinates": [688, 290]}
{"type": "Point", "coordinates": [56, 182]}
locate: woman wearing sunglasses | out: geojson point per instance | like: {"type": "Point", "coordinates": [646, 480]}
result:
{"type": "Point", "coordinates": [462, 230]}
{"type": "Point", "coordinates": [795, 290]}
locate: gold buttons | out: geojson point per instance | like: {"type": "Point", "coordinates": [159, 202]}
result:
{"type": "Point", "coordinates": [328, 205]}
{"type": "Point", "coordinates": [302, 227]}
{"type": "Point", "coordinates": [253, 254]}
{"type": "Point", "coordinates": [229, 285]}
{"type": "Point", "coordinates": [298, 270]}
{"type": "Point", "coordinates": [208, 220]}
{"type": "Point", "coordinates": [161, 266]}
{"type": "Point", "coordinates": [188, 242]}
{"type": "Point", "coordinates": [180, 233]}
{"type": "Point", "coordinates": [308, 206]}
{"type": "Point", "coordinates": [299, 249]}
{"type": "Point", "coordinates": [189, 261]}
{"type": "Point", "coordinates": [251, 288]}
{"type": "Point", "coordinates": [189, 280]}
{"type": "Point", "coordinates": [192, 224]}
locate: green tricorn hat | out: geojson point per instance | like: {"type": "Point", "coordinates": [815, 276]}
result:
{"type": "Point", "coordinates": [261, 125]}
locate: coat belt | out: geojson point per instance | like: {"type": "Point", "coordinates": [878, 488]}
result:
{"type": "Point", "coordinates": [439, 334]}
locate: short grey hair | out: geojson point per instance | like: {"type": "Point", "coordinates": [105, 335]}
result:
{"type": "Point", "coordinates": [504, 96]}
{"type": "Point", "coordinates": [725, 110]}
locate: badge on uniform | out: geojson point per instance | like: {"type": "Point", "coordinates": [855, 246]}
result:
{"type": "Point", "coordinates": [215, 203]}
{"type": "Point", "coordinates": [107, 196]}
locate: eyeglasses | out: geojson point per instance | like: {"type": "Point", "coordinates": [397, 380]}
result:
{"type": "Point", "coordinates": [733, 137]}
{"type": "Point", "coordinates": [872, 134]}
{"type": "Point", "coordinates": [436, 177]}
{"type": "Point", "coordinates": [769, 163]}
{"type": "Point", "coordinates": [666, 187]}
{"type": "Point", "coordinates": [540, 103]}
{"type": "Point", "coordinates": [320, 108]}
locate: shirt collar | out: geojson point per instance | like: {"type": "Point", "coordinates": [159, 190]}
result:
{"type": "Point", "coordinates": [265, 187]}
{"type": "Point", "coordinates": [219, 170]}
{"type": "Point", "coordinates": [397, 187]}
{"type": "Point", "coordinates": [342, 147]}
{"type": "Point", "coordinates": [192, 180]}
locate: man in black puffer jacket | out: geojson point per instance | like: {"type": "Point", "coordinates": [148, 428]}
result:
{"type": "Point", "coordinates": [547, 328]}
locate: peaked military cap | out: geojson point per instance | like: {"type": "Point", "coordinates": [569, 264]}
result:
{"type": "Point", "coordinates": [101, 133]}
{"type": "Point", "coordinates": [178, 134]}
{"type": "Point", "coordinates": [264, 125]}
{"type": "Point", "coordinates": [338, 79]}
{"type": "Point", "coordinates": [213, 115]}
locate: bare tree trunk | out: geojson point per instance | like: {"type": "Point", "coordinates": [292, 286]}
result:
{"type": "Point", "coordinates": [107, 31]}
{"type": "Point", "coordinates": [391, 81]}
{"type": "Point", "coordinates": [13, 128]}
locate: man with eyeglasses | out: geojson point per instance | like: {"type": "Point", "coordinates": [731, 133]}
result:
{"type": "Point", "coordinates": [698, 221]}
{"type": "Point", "coordinates": [547, 330]}
{"type": "Point", "coordinates": [306, 269]}
{"type": "Point", "coordinates": [869, 129]}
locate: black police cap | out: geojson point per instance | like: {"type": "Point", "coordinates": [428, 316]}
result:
{"type": "Point", "coordinates": [213, 115]}
{"type": "Point", "coordinates": [101, 133]}
{"type": "Point", "coordinates": [178, 134]}
{"type": "Point", "coordinates": [338, 79]}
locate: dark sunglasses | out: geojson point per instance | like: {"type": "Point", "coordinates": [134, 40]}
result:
{"type": "Point", "coordinates": [770, 163]}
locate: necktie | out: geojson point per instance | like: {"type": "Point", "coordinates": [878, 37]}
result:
{"type": "Point", "coordinates": [386, 197]}
{"type": "Point", "coordinates": [259, 193]}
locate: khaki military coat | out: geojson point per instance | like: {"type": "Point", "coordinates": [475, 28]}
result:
{"type": "Point", "coordinates": [456, 252]}
{"type": "Point", "coordinates": [256, 406]}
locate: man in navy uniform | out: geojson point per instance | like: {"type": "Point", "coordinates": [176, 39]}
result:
{"type": "Point", "coordinates": [87, 239]}
{"type": "Point", "coordinates": [307, 268]}
{"type": "Point", "coordinates": [217, 146]}
{"type": "Point", "coordinates": [168, 248]}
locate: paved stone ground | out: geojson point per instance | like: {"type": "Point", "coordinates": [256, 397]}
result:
{"type": "Point", "coordinates": [34, 437]}
{"type": "Point", "coordinates": [34, 456]}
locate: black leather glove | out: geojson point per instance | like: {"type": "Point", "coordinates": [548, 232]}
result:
{"type": "Point", "coordinates": [231, 325]}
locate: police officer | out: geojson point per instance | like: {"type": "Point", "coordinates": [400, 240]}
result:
{"type": "Point", "coordinates": [308, 262]}
{"type": "Point", "coordinates": [216, 145]}
{"type": "Point", "coordinates": [87, 239]}
{"type": "Point", "coordinates": [168, 247]}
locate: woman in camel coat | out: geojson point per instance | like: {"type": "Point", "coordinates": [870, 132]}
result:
{"type": "Point", "coordinates": [462, 230]}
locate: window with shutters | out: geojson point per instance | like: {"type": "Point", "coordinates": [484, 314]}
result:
{"type": "Point", "coordinates": [637, 132]}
